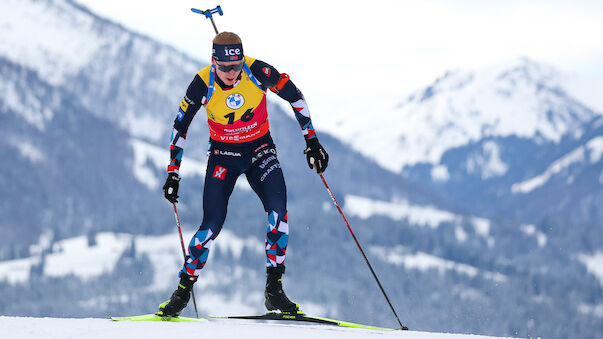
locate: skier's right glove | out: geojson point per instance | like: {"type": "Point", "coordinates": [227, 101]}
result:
{"type": "Point", "coordinates": [170, 189]}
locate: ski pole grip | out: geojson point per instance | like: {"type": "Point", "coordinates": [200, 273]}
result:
{"type": "Point", "coordinates": [209, 12]}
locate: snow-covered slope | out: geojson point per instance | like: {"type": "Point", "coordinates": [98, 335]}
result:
{"type": "Point", "coordinates": [590, 152]}
{"type": "Point", "coordinates": [49, 328]}
{"type": "Point", "coordinates": [54, 48]}
{"type": "Point", "coordinates": [69, 47]}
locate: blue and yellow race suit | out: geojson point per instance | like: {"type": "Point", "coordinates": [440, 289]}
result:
{"type": "Point", "coordinates": [240, 142]}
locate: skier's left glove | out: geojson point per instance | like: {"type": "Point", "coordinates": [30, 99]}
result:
{"type": "Point", "coordinates": [170, 189]}
{"type": "Point", "coordinates": [316, 155]}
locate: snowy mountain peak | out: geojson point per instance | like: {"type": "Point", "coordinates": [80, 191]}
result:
{"type": "Point", "coordinates": [58, 37]}
{"type": "Point", "coordinates": [517, 72]}
{"type": "Point", "coordinates": [67, 46]}
{"type": "Point", "coordinates": [521, 98]}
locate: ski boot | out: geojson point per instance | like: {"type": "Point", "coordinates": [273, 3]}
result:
{"type": "Point", "coordinates": [179, 299]}
{"type": "Point", "coordinates": [276, 299]}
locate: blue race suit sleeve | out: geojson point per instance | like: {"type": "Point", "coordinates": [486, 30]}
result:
{"type": "Point", "coordinates": [192, 101]}
{"type": "Point", "coordinates": [280, 84]}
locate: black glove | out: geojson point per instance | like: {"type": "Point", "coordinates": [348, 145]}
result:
{"type": "Point", "coordinates": [316, 155]}
{"type": "Point", "coordinates": [170, 189]}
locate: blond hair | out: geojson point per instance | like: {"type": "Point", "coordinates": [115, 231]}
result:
{"type": "Point", "coordinates": [227, 38]}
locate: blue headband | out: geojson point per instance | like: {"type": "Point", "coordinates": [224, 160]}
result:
{"type": "Point", "coordinates": [226, 53]}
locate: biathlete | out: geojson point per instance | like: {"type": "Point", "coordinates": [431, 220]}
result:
{"type": "Point", "coordinates": [233, 91]}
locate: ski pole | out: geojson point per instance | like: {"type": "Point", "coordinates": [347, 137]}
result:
{"type": "Point", "coordinates": [402, 327]}
{"type": "Point", "coordinates": [184, 254]}
{"type": "Point", "coordinates": [208, 14]}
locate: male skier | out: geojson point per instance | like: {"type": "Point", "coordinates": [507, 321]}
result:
{"type": "Point", "coordinates": [233, 91]}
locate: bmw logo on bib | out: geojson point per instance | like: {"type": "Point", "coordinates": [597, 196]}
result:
{"type": "Point", "coordinates": [235, 101]}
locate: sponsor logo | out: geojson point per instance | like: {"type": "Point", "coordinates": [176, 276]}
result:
{"type": "Point", "coordinates": [228, 153]}
{"type": "Point", "coordinates": [180, 115]}
{"type": "Point", "coordinates": [270, 169]}
{"type": "Point", "coordinates": [188, 100]}
{"type": "Point", "coordinates": [266, 161]}
{"type": "Point", "coordinates": [267, 71]}
{"type": "Point", "coordinates": [220, 173]}
{"type": "Point", "coordinates": [232, 51]}
{"type": "Point", "coordinates": [262, 153]}
{"type": "Point", "coordinates": [242, 129]}
{"type": "Point", "coordinates": [237, 137]}
{"type": "Point", "coordinates": [235, 101]}
{"type": "Point", "coordinates": [261, 146]}
{"type": "Point", "coordinates": [184, 105]}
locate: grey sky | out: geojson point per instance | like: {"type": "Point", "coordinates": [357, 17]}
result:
{"type": "Point", "coordinates": [381, 47]}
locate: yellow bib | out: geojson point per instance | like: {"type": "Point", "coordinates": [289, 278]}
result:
{"type": "Point", "coordinates": [237, 114]}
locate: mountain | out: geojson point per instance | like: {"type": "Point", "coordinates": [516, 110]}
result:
{"type": "Point", "coordinates": [85, 114]}
{"type": "Point", "coordinates": [506, 142]}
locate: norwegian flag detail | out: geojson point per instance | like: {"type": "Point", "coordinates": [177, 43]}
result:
{"type": "Point", "coordinates": [267, 71]}
{"type": "Point", "coordinates": [220, 173]}
{"type": "Point", "coordinates": [198, 251]}
{"type": "Point", "coordinates": [302, 107]}
{"type": "Point", "coordinates": [277, 237]}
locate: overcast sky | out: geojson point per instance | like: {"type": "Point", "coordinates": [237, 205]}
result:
{"type": "Point", "coordinates": [355, 49]}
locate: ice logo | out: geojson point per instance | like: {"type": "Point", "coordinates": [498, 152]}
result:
{"type": "Point", "coordinates": [235, 101]}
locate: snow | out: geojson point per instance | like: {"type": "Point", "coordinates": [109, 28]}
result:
{"type": "Point", "coordinates": [74, 256]}
{"type": "Point", "coordinates": [27, 150]}
{"type": "Point", "coordinates": [593, 310]}
{"type": "Point", "coordinates": [531, 230]}
{"type": "Point", "coordinates": [593, 149]}
{"type": "Point", "coordinates": [30, 107]}
{"type": "Point", "coordinates": [418, 215]}
{"type": "Point", "coordinates": [145, 153]}
{"type": "Point", "coordinates": [365, 208]}
{"type": "Point", "coordinates": [440, 173]}
{"type": "Point", "coordinates": [481, 226]}
{"type": "Point", "coordinates": [460, 234]}
{"type": "Point", "coordinates": [90, 328]}
{"type": "Point", "coordinates": [17, 271]}
{"type": "Point", "coordinates": [527, 186]}
{"type": "Point", "coordinates": [460, 108]}
{"type": "Point", "coordinates": [401, 256]}
{"type": "Point", "coordinates": [489, 163]}
{"type": "Point", "coordinates": [143, 125]}
{"type": "Point", "coordinates": [58, 40]}
{"type": "Point", "coordinates": [594, 264]}
{"type": "Point", "coordinates": [149, 158]}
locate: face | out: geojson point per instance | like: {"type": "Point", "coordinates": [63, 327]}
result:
{"type": "Point", "coordinates": [231, 76]}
